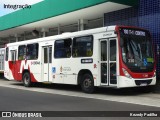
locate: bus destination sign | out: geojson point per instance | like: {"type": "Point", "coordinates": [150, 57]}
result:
{"type": "Point", "coordinates": [133, 32]}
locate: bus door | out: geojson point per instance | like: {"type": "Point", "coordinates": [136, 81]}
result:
{"type": "Point", "coordinates": [13, 65]}
{"type": "Point", "coordinates": [47, 64]}
{"type": "Point", "coordinates": [108, 53]}
{"type": "Point", "coordinates": [1, 60]}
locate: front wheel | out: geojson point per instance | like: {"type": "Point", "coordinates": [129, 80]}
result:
{"type": "Point", "coordinates": [26, 79]}
{"type": "Point", "coordinates": [87, 83]}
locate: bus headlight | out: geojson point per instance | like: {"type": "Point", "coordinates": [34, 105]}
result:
{"type": "Point", "coordinates": [154, 73]}
{"type": "Point", "coordinates": [126, 73]}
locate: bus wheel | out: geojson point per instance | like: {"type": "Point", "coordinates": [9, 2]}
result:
{"type": "Point", "coordinates": [26, 79]}
{"type": "Point", "coordinates": [87, 83]}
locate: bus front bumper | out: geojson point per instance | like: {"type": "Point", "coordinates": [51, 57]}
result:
{"type": "Point", "coordinates": [128, 82]}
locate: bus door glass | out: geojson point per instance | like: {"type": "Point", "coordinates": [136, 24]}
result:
{"type": "Point", "coordinates": [13, 64]}
{"type": "Point", "coordinates": [112, 55]}
{"type": "Point", "coordinates": [47, 64]}
{"type": "Point", "coordinates": [1, 60]}
{"type": "Point", "coordinates": [108, 61]}
{"type": "Point", "coordinates": [104, 61]}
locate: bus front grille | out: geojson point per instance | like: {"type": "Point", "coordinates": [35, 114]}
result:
{"type": "Point", "coordinates": [143, 82]}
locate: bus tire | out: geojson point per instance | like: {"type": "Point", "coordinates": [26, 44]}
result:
{"type": "Point", "coordinates": [87, 83]}
{"type": "Point", "coordinates": [26, 79]}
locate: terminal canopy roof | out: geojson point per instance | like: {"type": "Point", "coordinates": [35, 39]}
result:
{"type": "Point", "coordinates": [51, 13]}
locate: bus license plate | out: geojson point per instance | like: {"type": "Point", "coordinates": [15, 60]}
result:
{"type": "Point", "coordinates": [143, 84]}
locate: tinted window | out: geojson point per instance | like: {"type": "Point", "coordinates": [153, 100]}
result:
{"type": "Point", "coordinates": [62, 48]}
{"type": "Point", "coordinates": [83, 46]}
{"type": "Point", "coordinates": [13, 55]}
{"type": "Point", "coordinates": [137, 51]}
{"type": "Point", "coordinates": [113, 50]}
{"type": "Point", "coordinates": [45, 55]}
{"type": "Point", "coordinates": [21, 52]}
{"type": "Point", "coordinates": [104, 51]}
{"type": "Point", "coordinates": [6, 58]}
{"type": "Point", "coordinates": [32, 51]}
{"type": "Point", "coordinates": [50, 54]}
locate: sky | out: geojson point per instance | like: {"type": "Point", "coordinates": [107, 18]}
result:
{"type": "Point", "coordinates": [4, 11]}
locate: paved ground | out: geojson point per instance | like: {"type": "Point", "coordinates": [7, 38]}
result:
{"type": "Point", "coordinates": [13, 99]}
{"type": "Point", "coordinates": [135, 96]}
{"type": "Point", "coordinates": [51, 97]}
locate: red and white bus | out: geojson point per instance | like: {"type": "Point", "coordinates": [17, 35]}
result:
{"type": "Point", "coordinates": [112, 56]}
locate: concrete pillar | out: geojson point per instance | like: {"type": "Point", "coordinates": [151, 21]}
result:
{"type": "Point", "coordinates": [81, 24]}
{"type": "Point", "coordinates": [44, 31]}
{"type": "Point", "coordinates": [59, 29]}
{"type": "Point", "coordinates": [10, 37]}
{"type": "Point", "coordinates": [16, 36]}
{"type": "Point", "coordinates": [24, 37]}
{"type": "Point", "coordinates": [9, 40]}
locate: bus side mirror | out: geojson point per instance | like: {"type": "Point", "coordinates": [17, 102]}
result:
{"type": "Point", "coordinates": [121, 42]}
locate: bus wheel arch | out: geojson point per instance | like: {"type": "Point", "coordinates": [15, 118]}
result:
{"type": "Point", "coordinates": [26, 78]}
{"type": "Point", "coordinates": [86, 81]}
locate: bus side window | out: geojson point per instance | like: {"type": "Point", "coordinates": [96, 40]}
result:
{"type": "Point", "coordinates": [32, 51]}
{"type": "Point", "coordinates": [63, 48]}
{"type": "Point", "coordinates": [75, 52]}
{"type": "Point", "coordinates": [21, 52]}
{"type": "Point", "coordinates": [6, 55]}
{"type": "Point", "coordinates": [83, 46]}
{"type": "Point", "coordinates": [13, 55]}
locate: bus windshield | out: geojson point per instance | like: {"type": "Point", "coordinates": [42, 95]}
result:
{"type": "Point", "coordinates": [136, 49]}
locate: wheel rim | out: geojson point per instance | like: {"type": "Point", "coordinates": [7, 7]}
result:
{"type": "Point", "coordinates": [87, 83]}
{"type": "Point", "coordinates": [26, 79]}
